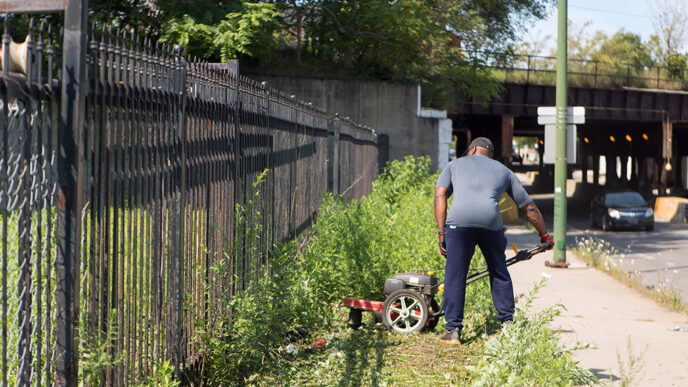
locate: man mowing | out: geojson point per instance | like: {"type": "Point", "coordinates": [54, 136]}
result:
{"type": "Point", "coordinates": [477, 183]}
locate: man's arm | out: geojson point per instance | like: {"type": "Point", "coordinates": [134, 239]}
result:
{"type": "Point", "coordinates": [534, 217]}
{"type": "Point", "coordinates": [441, 195]}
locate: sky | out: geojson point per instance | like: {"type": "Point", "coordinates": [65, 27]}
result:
{"type": "Point", "coordinates": [606, 15]}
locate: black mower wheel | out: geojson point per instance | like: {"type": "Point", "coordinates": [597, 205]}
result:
{"type": "Point", "coordinates": [405, 311]}
{"type": "Point", "coordinates": [432, 321]}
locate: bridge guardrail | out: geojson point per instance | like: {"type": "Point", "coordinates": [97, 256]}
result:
{"type": "Point", "coordinates": [524, 68]}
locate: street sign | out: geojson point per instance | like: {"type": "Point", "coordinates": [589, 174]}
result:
{"type": "Point", "coordinates": [552, 111]}
{"type": "Point", "coordinates": [548, 115]}
{"type": "Point", "coordinates": [550, 144]}
{"type": "Point", "coordinates": [551, 120]}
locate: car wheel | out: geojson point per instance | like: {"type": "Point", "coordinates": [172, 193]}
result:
{"type": "Point", "coordinates": [606, 224]}
{"type": "Point", "coordinates": [593, 224]}
{"type": "Point", "coordinates": [650, 227]}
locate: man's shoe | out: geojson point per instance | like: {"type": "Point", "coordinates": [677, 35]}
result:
{"type": "Point", "coordinates": [451, 337]}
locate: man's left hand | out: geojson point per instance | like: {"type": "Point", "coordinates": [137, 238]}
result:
{"type": "Point", "coordinates": [547, 240]}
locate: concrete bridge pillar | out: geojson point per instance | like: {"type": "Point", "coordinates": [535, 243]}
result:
{"type": "Point", "coordinates": [624, 170]}
{"type": "Point", "coordinates": [634, 172]}
{"type": "Point", "coordinates": [507, 138]}
{"type": "Point", "coordinates": [541, 154]}
{"type": "Point", "coordinates": [656, 175]}
{"type": "Point", "coordinates": [644, 182]}
{"type": "Point", "coordinates": [611, 177]}
{"type": "Point", "coordinates": [584, 168]}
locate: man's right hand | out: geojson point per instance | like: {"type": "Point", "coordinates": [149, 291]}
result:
{"type": "Point", "coordinates": [442, 243]}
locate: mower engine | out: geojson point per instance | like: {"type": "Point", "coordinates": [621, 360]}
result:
{"type": "Point", "coordinates": [423, 282]}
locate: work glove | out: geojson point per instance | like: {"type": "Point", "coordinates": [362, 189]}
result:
{"type": "Point", "coordinates": [547, 240]}
{"type": "Point", "coordinates": [442, 243]}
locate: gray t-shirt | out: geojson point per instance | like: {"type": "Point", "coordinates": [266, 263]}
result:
{"type": "Point", "coordinates": [477, 183]}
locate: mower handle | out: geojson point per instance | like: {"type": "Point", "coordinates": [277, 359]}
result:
{"type": "Point", "coordinates": [521, 255]}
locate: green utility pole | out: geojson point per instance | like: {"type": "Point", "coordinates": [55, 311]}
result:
{"type": "Point", "coordinates": [560, 151]}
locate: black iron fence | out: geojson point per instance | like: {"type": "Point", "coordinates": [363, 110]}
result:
{"type": "Point", "coordinates": [169, 148]}
{"type": "Point", "coordinates": [538, 69]}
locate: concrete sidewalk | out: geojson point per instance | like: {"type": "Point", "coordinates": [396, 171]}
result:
{"type": "Point", "coordinates": [604, 312]}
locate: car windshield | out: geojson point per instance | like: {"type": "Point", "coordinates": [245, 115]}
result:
{"type": "Point", "coordinates": [624, 199]}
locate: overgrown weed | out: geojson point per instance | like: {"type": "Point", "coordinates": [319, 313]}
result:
{"type": "Point", "coordinates": [599, 254]}
{"type": "Point", "coordinates": [527, 352]}
{"type": "Point", "coordinates": [631, 369]}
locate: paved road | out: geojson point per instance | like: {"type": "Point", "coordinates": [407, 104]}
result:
{"type": "Point", "coordinates": [661, 256]}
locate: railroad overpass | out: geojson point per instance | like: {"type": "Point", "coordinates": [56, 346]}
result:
{"type": "Point", "coordinates": [640, 132]}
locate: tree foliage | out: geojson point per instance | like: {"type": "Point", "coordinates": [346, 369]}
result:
{"type": "Point", "coordinates": [399, 40]}
{"type": "Point", "coordinates": [247, 31]}
{"type": "Point", "coordinates": [623, 46]}
{"type": "Point", "coordinates": [622, 54]}
{"type": "Point", "coordinates": [669, 22]}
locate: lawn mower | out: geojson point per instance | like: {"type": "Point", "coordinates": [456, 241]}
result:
{"type": "Point", "coordinates": [410, 304]}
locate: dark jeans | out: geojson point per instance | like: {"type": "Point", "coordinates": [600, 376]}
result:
{"type": "Point", "coordinates": [461, 243]}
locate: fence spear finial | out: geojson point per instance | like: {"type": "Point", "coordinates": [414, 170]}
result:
{"type": "Point", "coordinates": [178, 50]}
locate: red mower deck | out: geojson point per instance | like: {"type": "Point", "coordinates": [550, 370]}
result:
{"type": "Point", "coordinates": [358, 306]}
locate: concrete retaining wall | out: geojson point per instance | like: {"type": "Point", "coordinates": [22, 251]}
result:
{"type": "Point", "coordinates": [390, 108]}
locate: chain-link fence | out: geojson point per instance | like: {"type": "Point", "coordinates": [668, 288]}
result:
{"type": "Point", "coordinates": [168, 149]}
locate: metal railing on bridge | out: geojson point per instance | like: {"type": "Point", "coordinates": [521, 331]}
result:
{"type": "Point", "coordinates": [169, 149]}
{"type": "Point", "coordinates": [537, 69]}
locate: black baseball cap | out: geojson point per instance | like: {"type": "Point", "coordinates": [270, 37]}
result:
{"type": "Point", "coordinates": [483, 142]}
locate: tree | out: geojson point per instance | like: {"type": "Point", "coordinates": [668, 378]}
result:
{"type": "Point", "coordinates": [624, 56]}
{"type": "Point", "coordinates": [669, 22]}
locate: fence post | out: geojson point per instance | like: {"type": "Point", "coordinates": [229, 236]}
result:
{"type": "Point", "coordinates": [70, 165]}
{"type": "Point", "coordinates": [292, 169]}
{"type": "Point", "coordinates": [335, 156]}
{"type": "Point", "coordinates": [176, 260]}
{"type": "Point", "coordinates": [239, 264]}
{"type": "Point", "coordinates": [330, 151]}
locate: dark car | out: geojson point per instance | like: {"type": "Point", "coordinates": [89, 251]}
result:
{"type": "Point", "coordinates": [622, 210]}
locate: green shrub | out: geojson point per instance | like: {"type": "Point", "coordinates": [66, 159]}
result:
{"type": "Point", "coordinates": [354, 248]}
{"type": "Point", "coordinates": [252, 325]}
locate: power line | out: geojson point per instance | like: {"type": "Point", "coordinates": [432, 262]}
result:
{"type": "Point", "coordinates": [610, 12]}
